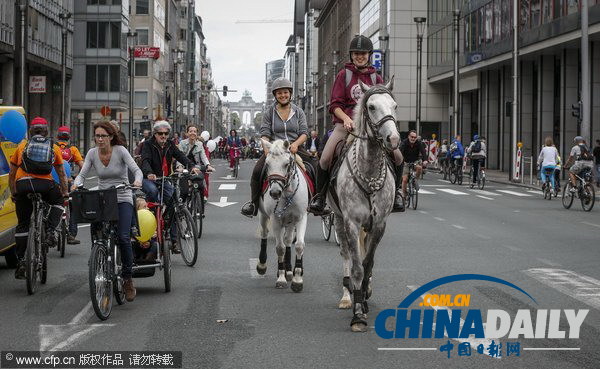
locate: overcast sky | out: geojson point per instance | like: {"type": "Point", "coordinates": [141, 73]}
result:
{"type": "Point", "coordinates": [238, 52]}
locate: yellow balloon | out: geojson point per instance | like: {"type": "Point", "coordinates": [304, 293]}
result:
{"type": "Point", "coordinates": [147, 223]}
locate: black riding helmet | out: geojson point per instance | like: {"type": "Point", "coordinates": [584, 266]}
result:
{"type": "Point", "coordinates": [361, 43]}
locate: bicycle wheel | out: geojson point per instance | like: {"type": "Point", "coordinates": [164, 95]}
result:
{"type": "Point", "coordinates": [32, 255]}
{"type": "Point", "coordinates": [118, 289]}
{"type": "Point", "coordinates": [481, 181]}
{"type": "Point", "coordinates": [326, 226]}
{"type": "Point", "coordinates": [408, 194]}
{"type": "Point", "coordinates": [459, 177]}
{"type": "Point", "coordinates": [100, 281]}
{"type": "Point", "coordinates": [43, 263]}
{"type": "Point", "coordinates": [414, 194]}
{"type": "Point", "coordinates": [62, 238]}
{"type": "Point", "coordinates": [471, 183]}
{"type": "Point", "coordinates": [547, 193]}
{"type": "Point", "coordinates": [567, 196]}
{"type": "Point", "coordinates": [452, 176]}
{"type": "Point", "coordinates": [196, 207]}
{"type": "Point", "coordinates": [166, 265]}
{"type": "Point", "coordinates": [186, 236]}
{"type": "Point", "coordinates": [588, 197]}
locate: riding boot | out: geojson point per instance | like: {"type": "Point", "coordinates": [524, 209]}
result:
{"type": "Point", "coordinates": [318, 202]}
{"type": "Point", "coordinates": [398, 199]}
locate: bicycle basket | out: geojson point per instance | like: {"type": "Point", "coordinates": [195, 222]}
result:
{"type": "Point", "coordinates": [95, 206]}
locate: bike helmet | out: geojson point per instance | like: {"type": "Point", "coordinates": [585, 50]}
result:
{"type": "Point", "coordinates": [64, 133]}
{"type": "Point", "coordinates": [39, 121]}
{"type": "Point", "coordinates": [280, 83]}
{"type": "Point", "coordinates": [361, 43]}
{"type": "Point", "coordinates": [578, 139]}
{"type": "Point", "coordinates": [475, 137]}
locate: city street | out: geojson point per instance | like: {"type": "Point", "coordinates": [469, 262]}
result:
{"type": "Point", "coordinates": [222, 314]}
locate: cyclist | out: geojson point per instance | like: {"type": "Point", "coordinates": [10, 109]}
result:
{"type": "Point", "coordinates": [345, 95]}
{"type": "Point", "coordinates": [580, 158]}
{"type": "Point", "coordinates": [233, 143]}
{"type": "Point", "coordinates": [456, 153]}
{"type": "Point", "coordinates": [477, 152]}
{"type": "Point", "coordinates": [414, 152]}
{"type": "Point", "coordinates": [30, 172]}
{"type": "Point", "coordinates": [194, 149]}
{"type": "Point", "coordinates": [158, 153]}
{"type": "Point", "coordinates": [281, 121]}
{"type": "Point", "coordinates": [71, 155]}
{"type": "Point", "coordinates": [548, 160]}
{"type": "Point", "coordinates": [111, 162]}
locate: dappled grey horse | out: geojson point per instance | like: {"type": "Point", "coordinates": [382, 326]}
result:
{"type": "Point", "coordinates": [363, 196]}
{"type": "Point", "coordinates": [283, 206]}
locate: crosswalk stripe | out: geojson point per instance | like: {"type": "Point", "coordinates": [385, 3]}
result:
{"type": "Point", "coordinates": [484, 197]}
{"type": "Point", "coordinates": [227, 186]}
{"type": "Point", "coordinates": [452, 192]}
{"type": "Point", "coordinates": [486, 193]}
{"type": "Point", "coordinates": [580, 287]}
{"type": "Point", "coordinates": [520, 194]}
{"type": "Point", "coordinates": [425, 192]}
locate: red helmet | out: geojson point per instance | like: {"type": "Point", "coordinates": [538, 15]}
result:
{"type": "Point", "coordinates": [64, 129]}
{"type": "Point", "coordinates": [64, 133]}
{"type": "Point", "coordinates": [39, 121]}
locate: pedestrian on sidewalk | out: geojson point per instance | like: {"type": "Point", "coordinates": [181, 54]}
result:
{"type": "Point", "coordinates": [597, 162]}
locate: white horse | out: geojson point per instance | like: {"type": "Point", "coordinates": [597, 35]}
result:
{"type": "Point", "coordinates": [285, 209]}
{"type": "Point", "coordinates": [363, 196]}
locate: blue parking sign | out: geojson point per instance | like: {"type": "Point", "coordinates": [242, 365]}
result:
{"type": "Point", "coordinates": [377, 59]}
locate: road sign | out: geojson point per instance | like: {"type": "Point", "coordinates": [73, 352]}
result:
{"type": "Point", "coordinates": [146, 52]}
{"type": "Point", "coordinates": [105, 111]}
{"type": "Point", "coordinates": [377, 59]}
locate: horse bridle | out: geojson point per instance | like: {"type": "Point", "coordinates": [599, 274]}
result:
{"type": "Point", "coordinates": [374, 126]}
{"type": "Point", "coordinates": [284, 181]}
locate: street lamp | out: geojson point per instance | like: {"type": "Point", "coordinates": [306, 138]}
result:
{"type": "Point", "coordinates": [315, 84]}
{"type": "Point", "coordinates": [325, 72]}
{"type": "Point", "coordinates": [132, 37]}
{"type": "Point", "coordinates": [176, 61]}
{"type": "Point", "coordinates": [383, 42]}
{"type": "Point", "coordinates": [63, 107]}
{"type": "Point", "coordinates": [420, 23]}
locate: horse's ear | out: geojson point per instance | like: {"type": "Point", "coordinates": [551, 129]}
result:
{"type": "Point", "coordinates": [363, 86]}
{"type": "Point", "coordinates": [266, 144]}
{"type": "Point", "coordinates": [286, 144]}
{"type": "Point", "coordinates": [390, 84]}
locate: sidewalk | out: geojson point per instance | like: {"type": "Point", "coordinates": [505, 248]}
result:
{"type": "Point", "coordinates": [497, 176]}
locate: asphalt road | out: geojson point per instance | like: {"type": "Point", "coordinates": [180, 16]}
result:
{"type": "Point", "coordinates": [221, 314]}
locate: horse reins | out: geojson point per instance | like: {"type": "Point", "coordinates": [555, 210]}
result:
{"type": "Point", "coordinates": [284, 182]}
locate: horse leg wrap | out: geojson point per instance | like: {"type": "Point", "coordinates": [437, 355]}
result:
{"type": "Point", "coordinates": [280, 266]}
{"type": "Point", "coordinates": [299, 265]}
{"type": "Point", "coordinates": [288, 259]}
{"type": "Point", "coordinates": [346, 283]}
{"type": "Point", "coordinates": [358, 299]}
{"type": "Point", "coordinates": [262, 257]}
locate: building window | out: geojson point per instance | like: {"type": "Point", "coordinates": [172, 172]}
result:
{"type": "Point", "coordinates": [572, 6]}
{"type": "Point", "coordinates": [546, 11]}
{"type": "Point", "coordinates": [506, 18]}
{"type": "Point", "coordinates": [141, 68]}
{"type": "Point", "coordinates": [369, 15]}
{"type": "Point", "coordinates": [142, 7]}
{"type": "Point", "coordinates": [489, 19]}
{"type": "Point", "coordinates": [140, 99]}
{"type": "Point", "coordinates": [104, 2]}
{"type": "Point", "coordinates": [524, 14]}
{"type": "Point", "coordinates": [558, 8]}
{"type": "Point", "coordinates": [497, 21]}
{"type": "Point", "coordinates": [102, 35]}
{"type": "Point", "coordinates": [142, 36]}
{"type": "Point", "coordinates": [102, 78]}
{"type": "Point", "coordinates": [536, 8]}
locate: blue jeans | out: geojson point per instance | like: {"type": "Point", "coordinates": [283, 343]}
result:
{"type": "Point", "coordinates": [124, 237]}
{"type": "Point", "coordinates": [152, 191]}
{"type": "Point", "coordinates": [550, 169]}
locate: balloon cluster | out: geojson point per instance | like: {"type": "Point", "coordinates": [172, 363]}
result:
{"type": "Point", "coordinates": [212, 144]}
{"type": "Point", "coordinates": [13, 126]}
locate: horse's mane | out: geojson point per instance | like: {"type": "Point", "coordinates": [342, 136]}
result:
{"type": "Point", "coordinates": [277, 148]}
{"type": "Point", "coordinates": [357, 118]}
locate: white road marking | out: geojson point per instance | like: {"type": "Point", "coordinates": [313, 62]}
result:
{"type": "Point", "coordinates": [452, 192]}
{"type": "Point", "coordinates": [535, 192]}
{"type": "Point", "coordinates": [422, 212]}
{"type": "Point", "coordinates": [222, 202]}
{"type": "Point", "coordinates": [486, 193]}
{"type": "Point", "coordinates": [591, 224]}
{"type": "Point", "coordinates": [520, 194]}
{"type": "Point", "coordinates": [429, 185]}
{"type": "Point", "coordinates": [443, 180]}
{"type": "Point", "coordinates": [458, 226]}
{"type": "Point", "coordinates": [253, 273]}
{"type": "Point", "coordinates": [484, 197]}
{"type": "Point", "coordinates": [61, 337]}
{"type": "Point", "coordinates": [83, 225]}
{"type": "Point", "coordinates": [580, 287]}
{"type": "Point", "coordinates": [512, 248]}
{"type": "Point", "coordinates": [472, 340]}
{"type": "Point", "coordinates": [516, 211]}
{"type": "Point", "coordinates": [93, 177]}
{"type": "Point", "coordinates": [440, 219]}
{"type": "Point", "coordinates": [227, 186]}
{"type": "Point", "coordinates": [425, 192]}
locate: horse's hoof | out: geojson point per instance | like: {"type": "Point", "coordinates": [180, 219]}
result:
{"type": "Point", "coordinates": [297, 287]}
{"type": "Point", "coordinates": [359, 327]}
{"type": "Point", "coordinates": [261, 268]}
{"type": "Point", "coordinates": [289, 276]}
{"type": "Point", "coordinates": [345, 304]}
{"type": "Point", "coordinates": [281, 284]}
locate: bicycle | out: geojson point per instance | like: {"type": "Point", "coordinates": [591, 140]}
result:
{"type": "Point", "coordinates": [36, 255]}
{"type": "Point", "coordinates": [63, 231]}
{"type": "Point", "coordinates": [328, 225]}
{"type": "Point", "coordinates": [480, 176]}
{"type": "Point", "coordinates": [584, 191]}
{"type": "Point", "coordinates": [444, 167]}
{"type": "Point", "coordinates": [456, 172]}
{"type": "Point", "coordinates": [236, 163]}
{"type": "Point", "coordinates": [186, 230]}
{"type": "Point", "coordinates": [547, 188]}
{"type": "Point", "coordinates": [412, 197]}
{"type": "Point", "coordinates": [195, 202]}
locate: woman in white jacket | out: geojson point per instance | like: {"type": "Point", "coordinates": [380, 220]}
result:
{"type": "Point", "coordinates": [548, 160]}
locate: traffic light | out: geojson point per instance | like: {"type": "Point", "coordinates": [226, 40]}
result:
{"type": "Point", "coordinates": [224, 90]}
{"type": "Point", "coordinates": [576, 112]}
